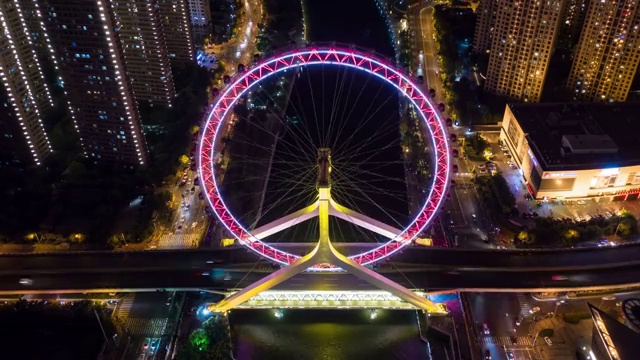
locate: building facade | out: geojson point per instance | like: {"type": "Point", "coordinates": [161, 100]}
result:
{"type": "Point", "coordinates": [575, 150]}
{"type": "Point", "coordinates": [608, 52]}
{"type": "Point", "coordinates": [145, 51]}
{"type": "Point", "coordinates": [523, 40]}
{"type": "Point", "coordinates": [25, 95]}
{"type": "Point", "coordinates": [176, 26]}
{"type": "Point", "coordinates": [200, 16]}
{"type": "Point", "coordinates": [485, 21]}
{"type": "Point", "coordinates": [91, 65]}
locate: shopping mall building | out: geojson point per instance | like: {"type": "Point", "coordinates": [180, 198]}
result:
{"type": "Point", "coordinates": [573, 150]}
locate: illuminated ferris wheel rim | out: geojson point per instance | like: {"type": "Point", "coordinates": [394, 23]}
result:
{"type": "Point", "coordinates": [347, 57]}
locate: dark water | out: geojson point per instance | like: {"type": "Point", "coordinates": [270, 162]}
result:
{"type": "Point", "coordinates": [353, 113]}
{"type": "Point", "coordinates": [337, 334]}
{"type": "Point", "coordinates": [326, 335]}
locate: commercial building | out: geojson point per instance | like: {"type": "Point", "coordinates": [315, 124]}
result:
{"type": "Point", "coordinates": [575, 150]}
{"type": "Point", "coordinates": [24, 94]}
{"type": "Point", "coordinates": [608, 52]}
{"type": "Point", "coordinates": [200, 16]}
{"type": "Point", "coordinates": [523, 38]}
{"type": "Point", "coordinates": [145, 51]}
{"type": "Point", "coordinates": [485, 21]}
{"type": "Point", "coordinates": [611, 339]}
{"type": "Point", "coordinates": [91, 65]}
{"type": "Point", "coordinates": [176, 26]}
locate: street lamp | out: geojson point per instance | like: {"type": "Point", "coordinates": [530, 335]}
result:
{"type": "Point", "coordinates": [556, 308]}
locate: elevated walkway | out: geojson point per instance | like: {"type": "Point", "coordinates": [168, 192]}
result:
{"type": "Point", "coordinates": [274, 299]}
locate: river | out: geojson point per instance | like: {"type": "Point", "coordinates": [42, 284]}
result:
{"type": "Point", "coordinates": [326, 335]}
{"type": "Point", "coordinates": [338, 334]}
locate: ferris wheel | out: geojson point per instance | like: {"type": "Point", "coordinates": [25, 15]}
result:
{"type": "Point", "coordinates": [336, 132]}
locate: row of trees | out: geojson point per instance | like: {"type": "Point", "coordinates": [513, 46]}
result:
{"type": "Point", "coordinates": [550, 232]}
{"type": "Point", "coordinates": [466, 101]}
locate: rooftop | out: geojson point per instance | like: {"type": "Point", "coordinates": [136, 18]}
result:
{"type": "Point", "coordinates": [620, 339]}
{"type": "Point", "coordinates": [575, 136]}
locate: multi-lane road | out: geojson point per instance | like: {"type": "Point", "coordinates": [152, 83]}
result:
{"type": "Point", "coordinates": [424, 268]}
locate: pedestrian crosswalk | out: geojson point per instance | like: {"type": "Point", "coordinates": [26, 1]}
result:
{"type": "Point", "coordinates": [153, 327]}
{"type": "Point", "coordinates": [524, 300]}
{"type": "Point", "coordinates": [179, 241]}
{"type": "Point", "coordinates": [506, 340]}
{"type": "Point", "coordinates": [124, 307]}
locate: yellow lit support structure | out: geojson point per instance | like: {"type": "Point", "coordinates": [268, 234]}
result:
{"type": "Point", "coordinates": [325, 253]}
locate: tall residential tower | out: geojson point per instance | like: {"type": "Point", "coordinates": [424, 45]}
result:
{"type": "Point", "coordinates": [608, 52]}
{"type": "Point", "coordinates": [522, 41]}
{"type": "Point", "coordinates": [176, 26]}
{"type": "Point", "coordinates": [91, 64]}
{"type": "Point", "coordinates": [24, 95]}
{"type": "Point", "coordinates": [485, 21]}
{"type": "Point", "coordinates": [200, 15]}
{"type": "Point", "coordinates": [145, 51]}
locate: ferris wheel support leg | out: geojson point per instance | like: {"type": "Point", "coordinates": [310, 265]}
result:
{"type": "Point", "coordinates": [265, 283]}
{"type": "Point", "coordinates": [363, 221]}
{"type": "Point", "coordinates": [385, 284]}
{"type": "Point", "coordinates": [284, 222]}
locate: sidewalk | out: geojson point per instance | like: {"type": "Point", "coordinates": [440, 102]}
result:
{"type": "Point", "coordinates": [565, 340]}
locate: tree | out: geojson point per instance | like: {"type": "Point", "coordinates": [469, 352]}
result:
{"type": "Point", "coordinates": [570, 236]}
{"type": "Point", "coordinates": [199, 339]}
{"type": "Point", "coordinates": [524, 237]}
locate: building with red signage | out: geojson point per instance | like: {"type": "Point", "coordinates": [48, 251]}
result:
{"type": "Point", "coordinates": [571, 150]}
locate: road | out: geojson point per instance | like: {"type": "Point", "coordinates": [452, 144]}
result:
{"type": "Point", "coordinates": [416, 257]}
{"type": "Point", "coordinates": [462, 208]}
{"type": "Point", "coordinates": [148, 320]}
{"type": "Point", "coordinates": [213, 278]}
{"type": "Point", "coordinates": [240, 50]}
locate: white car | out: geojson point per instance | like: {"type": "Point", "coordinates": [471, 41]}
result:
{"type": "Point", "coordinates": [26, 281]}
{"type": "Point", "coordinates": [548, 341]}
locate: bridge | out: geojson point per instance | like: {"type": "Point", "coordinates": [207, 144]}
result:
{"type": "Point", "coordinates": [347, 299]}
{"type": "Point", "coordinates": [417, 268]}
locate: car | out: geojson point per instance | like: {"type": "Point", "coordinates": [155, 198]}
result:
{"type": "Point", "coordinates": [485, 329]}
{"type": "Point", "coordinates": [510, 355]}
{"type": "Point", "coordinates": [26, 281]}
{"type": "Point", "coordinates": [534, 309]}
{"type": "Point", "coordinates": [514, 340]}
{"type": "Point", "coordinates": [487, 355]}
{"type": "Point", "coordinates": [559, 278]}
{"type": "Point", "coordinates": [508, 156]}
{"type": "Point", "coordinates": [548, 341]}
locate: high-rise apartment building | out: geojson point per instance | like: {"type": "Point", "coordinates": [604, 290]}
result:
{"type": "Point", "coordinates": [200, 15]}
{"type": "Point", "coordinates": [145, 51]}
{"type": "Point", "coordinates": [608, 52]}
{"type": "Point", "coordinates": [24, 93]}
{"type": "Point", "coordinates": [571, 22]}
{"type": "Point", "coordinates": [176, 26]}
{"type": "Point", "coordinates": [82, 35]}
{"type": "Point", "coordinates": [523, 39]}
{"type": "Point", "coordinates": [485, 21]}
